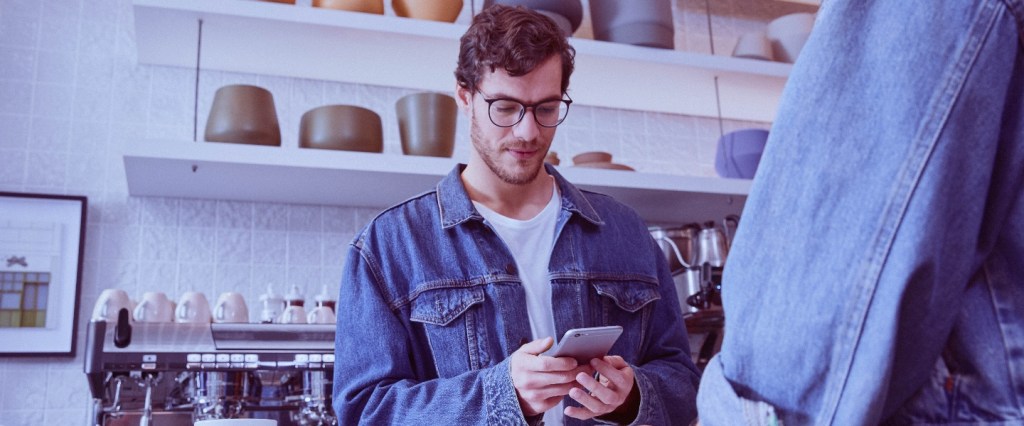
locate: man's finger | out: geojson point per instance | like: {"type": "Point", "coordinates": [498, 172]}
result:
{"type": "Point", "coordinates": [538, 346]}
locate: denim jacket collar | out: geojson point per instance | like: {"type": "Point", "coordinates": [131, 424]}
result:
{"type": "Point", "coordinates": [456, 207]}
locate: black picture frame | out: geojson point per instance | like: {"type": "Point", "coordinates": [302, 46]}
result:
{"type": "Point", "coordinates": [42, 242]}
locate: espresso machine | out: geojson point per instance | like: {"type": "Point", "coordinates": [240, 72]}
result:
{"type": "Point", "coordinates": [170, 374]}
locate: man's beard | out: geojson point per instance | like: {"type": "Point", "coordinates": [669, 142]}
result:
{"type": "Point", "coordinates": [508, 176]}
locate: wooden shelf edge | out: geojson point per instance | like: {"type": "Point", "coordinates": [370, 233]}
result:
{"type": "Point", "coordinates": [220, 171]}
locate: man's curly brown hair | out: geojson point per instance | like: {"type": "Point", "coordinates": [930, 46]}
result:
{"type": "Point", "coordinates": [515, 39]}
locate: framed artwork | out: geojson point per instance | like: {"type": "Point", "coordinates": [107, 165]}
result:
{"type": "Point", "coordinates": [42, 238]}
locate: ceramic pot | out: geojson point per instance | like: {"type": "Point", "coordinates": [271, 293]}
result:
{"type": "Point", "coordinates": [341, 127]}
{"type": "Point", "coordinates": [753, 46]}
{"type": "Point", "coordinates": [243, 114]}
{"type": "Point", "coordinates": [426, 123]}
{"type": "Point", "coordinates": [433, 10]}
{"type": "Point", "coordinates": [642, 23]}
{"type": "Point", "coordinates": [788, 34]}
{"type": "Point", "coordinates": [280, 1]}
{"type": "Point", "coordinates": [739, 153]}
{"type": "Point", "coordinates": [365, 6]}
{"type": "Point", "coordinates": [567, 14]}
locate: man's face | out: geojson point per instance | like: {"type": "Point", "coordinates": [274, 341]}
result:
{"type": "Point", "coordinates": [513, 154]}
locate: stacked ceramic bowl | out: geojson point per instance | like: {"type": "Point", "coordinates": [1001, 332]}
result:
{"type": "Point", "coordinates": [567, 14]}
{"type": "Point", "coordinates": [597, 160]}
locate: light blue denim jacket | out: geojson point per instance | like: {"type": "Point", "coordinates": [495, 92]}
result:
{"type": "Point", "coordinates": [431, 307]}
{"type": "Point", "coordinates": [878, 276]}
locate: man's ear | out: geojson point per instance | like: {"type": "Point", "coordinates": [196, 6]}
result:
{"type": "Point", "coordinates": [463, 98]}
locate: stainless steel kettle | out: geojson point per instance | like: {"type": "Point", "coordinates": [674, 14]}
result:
{"type": "Point", "coordinates": [713, 243]}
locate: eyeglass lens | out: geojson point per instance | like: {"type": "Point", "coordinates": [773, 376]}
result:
{"type": "Point", "coordinates": [508, 112]}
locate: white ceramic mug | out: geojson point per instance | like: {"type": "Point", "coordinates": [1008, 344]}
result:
{"type": "Point", "coordinates": [236, 422]}
{"type": "Point", "coordinates": [110, 302]}
{"type": "Point", "coordinates": [231, 308]}
{"type": "Point", "coordinates": [193, 308]}
{"type": "Point", "coordinates": [321, 315]}
{"type": "Point", "coordinates": [154, 307]}
{"type": "Point", "coordinates": [294, 314]}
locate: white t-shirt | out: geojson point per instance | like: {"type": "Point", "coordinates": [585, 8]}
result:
{"type": "Point", "coordinates": [531, 242]}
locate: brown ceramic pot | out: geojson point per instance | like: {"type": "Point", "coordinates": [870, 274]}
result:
{"type": "Point", "coordinates": [341, 127]}
{"type": "Point", "coordinates": [434, 10]}
{"type": "Point", "coordinates": [243, 114]}
{"type": "Point", "coordinates": [366, 6]}
{"type": "Point", "coordinates": [426, 123]}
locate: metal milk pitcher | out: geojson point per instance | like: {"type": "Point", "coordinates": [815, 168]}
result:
{"type": "Point", "coordinates": [713, 243]}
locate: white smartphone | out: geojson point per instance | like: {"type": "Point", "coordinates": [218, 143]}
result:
{"type": "Point", "coordinates": [586, 343]}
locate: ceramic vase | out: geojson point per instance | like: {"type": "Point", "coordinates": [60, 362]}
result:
{"type": "Point", "coordinates": [642, 23]}
{"type": "Point", "coordinates": [434, 10]}
{"type": "Point", "coordinates": [567, 14]}
{"type": "Point", "coordinates": [739, 153]}
{"type": "Point", "coordinates": [426, 123]}
{"type": "Point", "coordinates": [243, 114]}
{"type": "Point", "coordinates": [341, 127]}
{"type": "Point", "coordinates": [365, 6]}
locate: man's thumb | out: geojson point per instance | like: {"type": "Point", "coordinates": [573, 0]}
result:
{"type": "Point", "coordinates": [538, 346]}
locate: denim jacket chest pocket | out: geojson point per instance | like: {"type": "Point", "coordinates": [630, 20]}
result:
{"type": "Point", "coordinates": [629, 304]}
{"type": "Point", "coordinates": [453, 325]}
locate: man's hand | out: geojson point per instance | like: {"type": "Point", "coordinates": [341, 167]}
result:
{"type": "Point", "coordinates": [542, 381]}
{"type": "Point", "coordinates": [609, 394]}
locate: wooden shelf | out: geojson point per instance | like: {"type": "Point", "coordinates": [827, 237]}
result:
{"type": "Point", "coordinates": [305, 42]}
{"type": "Point", "coordinates": [222, 171]}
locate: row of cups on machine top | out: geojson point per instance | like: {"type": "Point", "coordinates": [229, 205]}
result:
{"type": "Point", "coordinates": [193, 307]}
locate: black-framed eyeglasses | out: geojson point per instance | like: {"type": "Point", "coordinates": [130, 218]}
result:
{"type": "Point", "coordinates": [507, 112]}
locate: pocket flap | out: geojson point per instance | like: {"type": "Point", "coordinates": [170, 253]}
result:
{"type": "Point", "coordinates": [629, 295]}
{"type": "Point", "coordinates": [440, 306]}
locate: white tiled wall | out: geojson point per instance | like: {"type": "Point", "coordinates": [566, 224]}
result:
{"type": "Point", "coordinates": [72, 97]}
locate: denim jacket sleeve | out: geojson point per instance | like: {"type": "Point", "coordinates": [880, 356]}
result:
{"type": "Point", "coordinates": [378, 378]}
{"type": "Point", "coordinates": [666, 376]}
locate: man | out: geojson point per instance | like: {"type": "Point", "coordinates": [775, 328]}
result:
{"type": "Point", "coordinates": [879, 273]}
{"type": "Point", "coordinates": [449, 299]}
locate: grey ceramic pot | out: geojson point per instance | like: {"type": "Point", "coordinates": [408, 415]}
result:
{"type": "Point", "coordinates": [426, 123]}
{"type": "Point", "coordinates": [642, 23]}
{"type": "Point", "coordinates": [568, 14]}
{"type": "Point", "coordinates": [243, 114]}
{"type": "Point", "coordinates": [341, 127]}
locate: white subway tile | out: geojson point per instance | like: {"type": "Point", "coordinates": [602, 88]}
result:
{"type": "Point", "coordinates": [17, 98]}
{"type": "Point", "coordinates": [46, 169]}
{"type": "Point", "coordinates": [270, 247]}
{"type": "Point", "coordinates": [304, 248]}
{"type": "Point", "coordinates": [233, 246]}
{"type": "Point", "coordinates": [14, 132]}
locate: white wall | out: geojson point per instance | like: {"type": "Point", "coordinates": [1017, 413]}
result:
{"type": "Point", "coordinates": [72, 98]}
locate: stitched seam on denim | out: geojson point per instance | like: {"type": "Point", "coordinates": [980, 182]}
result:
{"type": "Point", "coordinates": [378, 277]}
{"type": "Point", "coordinates": [922, 147]}
{"type": "Point", "coordinates": [1017, 10]}
{"type": "Point", "coordinates": [1011, 372]}
{"type": "Point", "coordinates": [402, 301]}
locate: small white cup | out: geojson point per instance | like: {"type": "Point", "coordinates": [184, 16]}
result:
{"type": "Point", "coordinates": [231, 308]}
{"type": "Point", "coordinates": [193, 308]}
{"type": "Point", "coordinates": [321, 315]}
{"type": "Point", "coordinates": [293, 315]}
{"type": "Point", "coordinates": [110, 302]}
{"type": "Point", "coordinates": [154, 307]}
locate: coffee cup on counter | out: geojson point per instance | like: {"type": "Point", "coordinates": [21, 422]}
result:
{"type": "Point", "coordinates": [193, 308]}
{"type": "Point", "coordinates": [154, 307]}
{"type": "Point", "coordinates": [110, 302]}
{"type": "Point", "coordinates": [321, 315]}
{"type": "Point", "coordinates": [231, 308]}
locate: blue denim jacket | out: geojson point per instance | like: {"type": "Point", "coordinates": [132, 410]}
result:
{"type": "Point", "coordinates": [878, 276]}
{"type": "Point", "coordinates": [431, 307]}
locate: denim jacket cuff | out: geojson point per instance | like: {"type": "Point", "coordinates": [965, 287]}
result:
{"type": "Point", "coordinates": [649, 403]}
{"type": "Point", "coordinates": [500, 396]}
